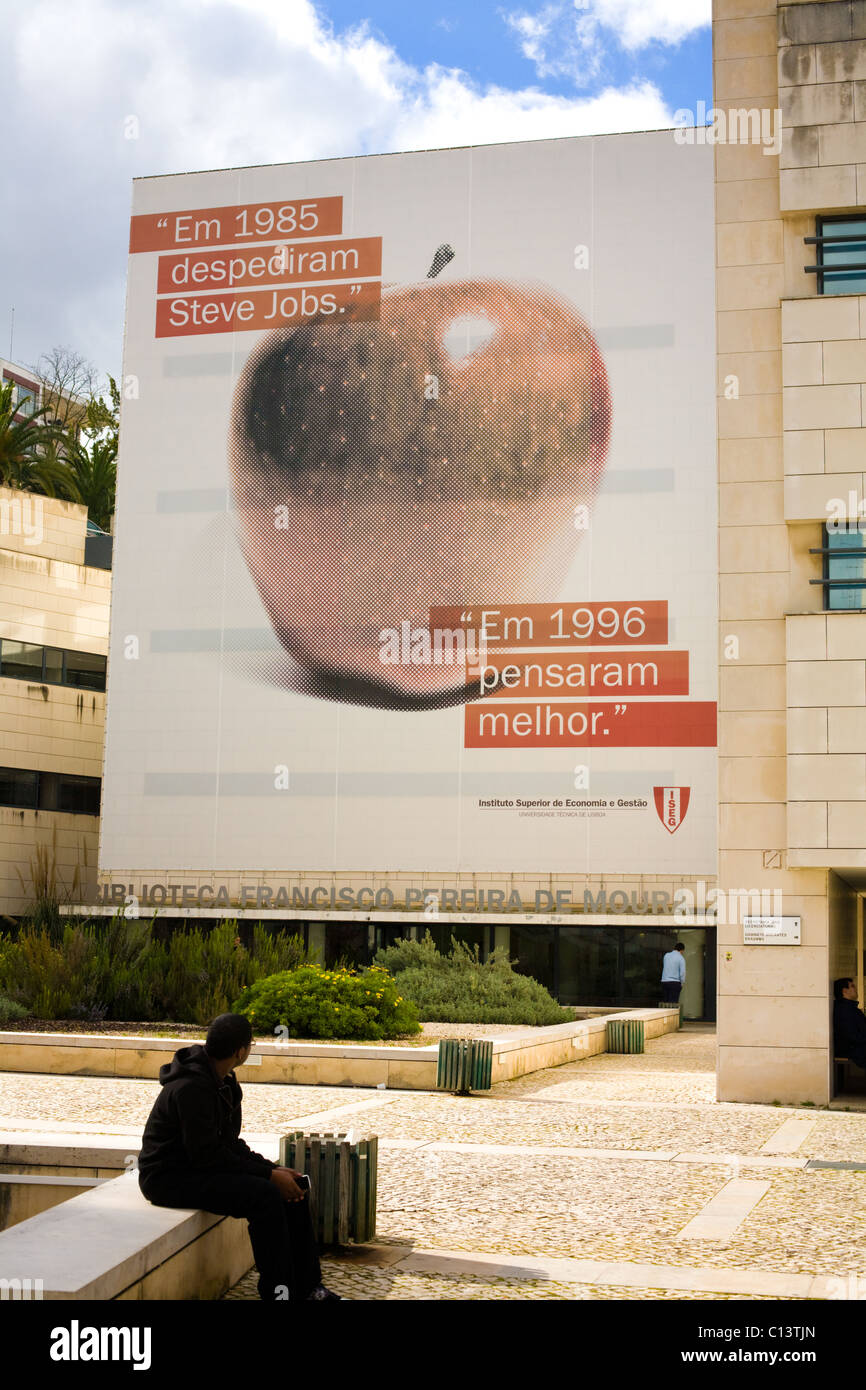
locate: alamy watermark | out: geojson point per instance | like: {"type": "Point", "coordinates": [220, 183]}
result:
{"type": "Point", "coordinates": [22, 515]}
{"type": "Point", "coordinates": [737, 126]}
{"type": "Point", "coordinates": [22, 1289]}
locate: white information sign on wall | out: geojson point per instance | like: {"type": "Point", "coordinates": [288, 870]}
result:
{"type": "Point", "coordinates": [771, 931]}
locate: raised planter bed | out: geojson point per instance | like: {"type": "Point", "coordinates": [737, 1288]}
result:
{"type": "Point", "coordinates": [399, 1066]}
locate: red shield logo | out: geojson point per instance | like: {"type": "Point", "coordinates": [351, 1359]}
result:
{"type": "Point", "coordinates": [671, 805]}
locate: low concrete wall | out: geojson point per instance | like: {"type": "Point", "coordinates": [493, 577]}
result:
{"type": "Point", "coordinates": [110, 1243]}
{"type": "Point", "coordinates": [25, 1195]}
{"type": "Point", "coordinates": [76, 1156]}
{"type": "Point", "coordinates": [319, 1064]}
{"type": "Point", "coordinates": [571, 1042]}
{"type": "Point", "coordinates": [67, 1156]}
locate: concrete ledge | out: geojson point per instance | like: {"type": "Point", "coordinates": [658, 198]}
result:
{"type": "Point", "coordinates": [570, 1042]}
{"type": "Point", "coordinates": [85, 1155]}
{"type": "Point", "coordinates": [25, 1195]}
{"type": "Point", "coordinates": [110, 1243]}
{"type": "Point", "coordinates": [320, 1064]}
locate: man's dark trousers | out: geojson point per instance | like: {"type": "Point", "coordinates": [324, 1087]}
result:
{"type": "Point", "coordinates": [281, 1232]}
{"type": "Point", "coordinates": [671, 991]}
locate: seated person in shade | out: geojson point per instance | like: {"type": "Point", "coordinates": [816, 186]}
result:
{"type": "Point", "coordinates": [192, 1155]}
{"type": "Point", "coordinates": [849, 1023]}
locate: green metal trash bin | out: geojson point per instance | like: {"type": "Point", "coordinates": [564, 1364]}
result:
{"type": "Point", "coordinates": [465, 1064]}
{"type": "Point", "coordinates": [342, 1173]}
{"type": "Point", "coordinates": [625, 1035]}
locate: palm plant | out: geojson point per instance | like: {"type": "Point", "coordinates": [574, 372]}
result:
{"type": "Point", "coordinates": [92, 477]}
{"type": "Point", "coordinates": [29, 460]}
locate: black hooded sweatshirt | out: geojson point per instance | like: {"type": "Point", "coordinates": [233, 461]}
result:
{"type": "Point", "coordinates": [195, 1123]}
{"type": "Point", "coordinates": [849, 1031]}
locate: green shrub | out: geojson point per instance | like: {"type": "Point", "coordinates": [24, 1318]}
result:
{"type": "Point", "coordinates": [459, 988]}
{"type": "Point", "coordinates": [9, 1010]}
{"type": "Point", "coordinates": [122, 970]}
{"type": "Point", "coordinates": [312, 1002]}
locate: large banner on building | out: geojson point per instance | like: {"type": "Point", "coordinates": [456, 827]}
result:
{"type": "Point", "coordinates": [416, 534]}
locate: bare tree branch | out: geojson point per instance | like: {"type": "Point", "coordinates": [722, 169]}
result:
{"type": "Point", "coordinates": [69, 381]}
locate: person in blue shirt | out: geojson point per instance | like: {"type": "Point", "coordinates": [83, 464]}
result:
{"type": "Point", "coordinates": [673, 974]}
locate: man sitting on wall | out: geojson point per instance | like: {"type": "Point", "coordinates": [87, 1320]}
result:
{"type": "Point", "coordinates": [849, 1023]}
{"type": "Point", "coordinates": [673, 974]}
{"type": "Point", "coordinates": [192, 1155]}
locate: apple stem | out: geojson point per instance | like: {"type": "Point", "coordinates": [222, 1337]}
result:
{"type": "Point", "coordinates": [444, 254]}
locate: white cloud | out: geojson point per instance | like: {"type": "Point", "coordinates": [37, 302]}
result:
{"type": "Point", "coordinates": [571, 39]}
{"type": "Point", "coordinates": [639, 22]}
{"type": "Point", "coordinates": [212, 83]}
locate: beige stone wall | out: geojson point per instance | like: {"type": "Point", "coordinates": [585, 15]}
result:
{"type": "Point", "coordinates": [754, 548]}
{"type": "Point", "coordinates": [823, 409]}
{"type": "Point", "coordinates": [827, 739]}
{"type": "Point", "coordinates": [843, 928]}
{"type": "Point", "coordinates": [822, 89]}
{"type": "Point", "coordinates": [792, 723]}
{"type": "Point", "coordinates": [48, 596]}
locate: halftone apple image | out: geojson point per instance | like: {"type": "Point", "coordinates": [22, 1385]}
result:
{"type": "Point", "coordinates": [434, 458]}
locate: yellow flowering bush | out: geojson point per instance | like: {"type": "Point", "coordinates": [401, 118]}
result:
{"type": "Point", "coordinates": [312, 1002]}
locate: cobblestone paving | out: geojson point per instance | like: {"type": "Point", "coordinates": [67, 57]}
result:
{"type": "Point", "coordinates": [622, 1207]}
{"type": "Point", "coordinates": [482, 1120]}
{"type": "Point", "coordinates": [126, 1101]}
{"type": "Point", "coordinates": [374, 1285]}
{"type": "Point", "coordinates": [809, 1222]}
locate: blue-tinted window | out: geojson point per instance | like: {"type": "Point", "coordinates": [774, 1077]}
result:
{"type": "Point", "coordinates": [841, 255]}
{"type": "Point", "coordinates": [845, 560]}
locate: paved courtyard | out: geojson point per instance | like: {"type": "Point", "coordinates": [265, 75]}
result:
{"type": "Point", "coordinates": [617, 1177]}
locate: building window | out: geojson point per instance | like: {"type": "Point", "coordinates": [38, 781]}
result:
{"type": "Point", "coordinates": [841, 255]}
{"type": "Point", "coordinates": [51, 665]}
{"type": "Point", "coordinates": [25, 397]}
{"type": "Point", "coordinates": [21, 660]}
{"type": "Point", "coordinates": [844, 576]}
{"type": "Point", "coordinates": [85, 669]}
{"type": "Point", "coordinates": [49, 791]}
{"type": "Point", "coordinates": [18, 788]}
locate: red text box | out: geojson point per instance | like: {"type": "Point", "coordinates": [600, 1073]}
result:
{"type": "Point", "coordinates": [544, 724]}
{"type": "Point", "coordinates": [164, 231]}
{"type": "Point", "coordinates": [281, 264]}
{"type": "Point", "coordinates": [237, 312]}
{"type": "Point", "coordinates": [561, 675]}
{"type": "Point", "coordinates": [568, 624]}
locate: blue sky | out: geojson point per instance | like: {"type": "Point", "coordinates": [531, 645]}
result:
{"type": "Point", "coordinates": [478, 38]}
{"type": "Point", "coordinates": [217, 83]}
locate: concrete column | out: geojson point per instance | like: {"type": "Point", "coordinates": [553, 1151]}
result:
{"type": "Point", "coordinates": [502, 938]}
{"type": "Point", "coordinates": [860, 948]}
{"type": "Point", "coordinates": [316, 941]}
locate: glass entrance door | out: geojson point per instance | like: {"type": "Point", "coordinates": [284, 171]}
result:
{"type": "Point", "coordinates": [642, 968]}
{"type": "Point", "coordinates": [620, 966]}
{"type": "Point", "coordinates": [692, 998]}
{"type": "Point", "coordinates": [588, 961]}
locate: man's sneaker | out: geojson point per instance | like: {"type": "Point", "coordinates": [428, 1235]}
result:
{"type": "Point", "coordinates": [320, 1293]}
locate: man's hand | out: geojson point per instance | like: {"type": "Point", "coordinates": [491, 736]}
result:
{"type": "Point", "coordinates": [284, 1180]}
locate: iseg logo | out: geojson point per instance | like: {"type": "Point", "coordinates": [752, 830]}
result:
{"type": "Point", "coordinates": [671, 806]}
{"type": "Point", "coordinates": [77, 1343]}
